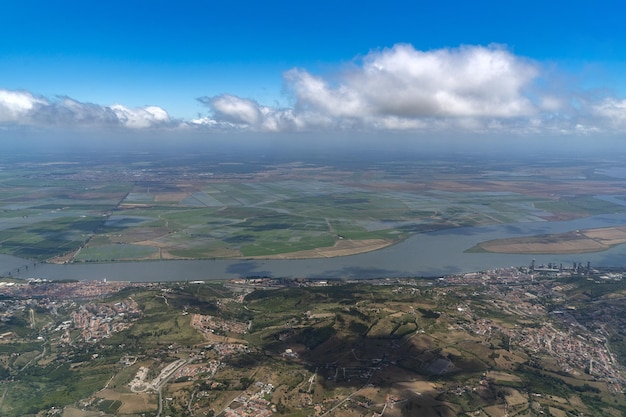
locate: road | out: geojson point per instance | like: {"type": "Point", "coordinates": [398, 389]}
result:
{"type": "Point", "coordinates": [164, 381]}
{"type": "Point", "coordinates": [369, 380]}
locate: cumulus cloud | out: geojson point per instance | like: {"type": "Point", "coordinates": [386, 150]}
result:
{"type": "Point", "coordinates": [469, 88]}
{"type": "Point", "coordinates": [469, 81]}
{"type": "Point", "coordinates": [613, 111]}
{"type": "Point", "coordinates": [404, 82]}
{"type": "Point", "coordinates": [17, 105]}
{"type": "Point", "coordinates": [65, 112]}
{"type": "Point", "coordinates": [142, 117]}
{"type": "Point", "coordinates": [23, 108]}
{"type": "Point", "coordinates": [400, 88]}
{"type": "Point", "coordinates": [232, 111]}
{"type": "Point", "coordinates": [235, 109]}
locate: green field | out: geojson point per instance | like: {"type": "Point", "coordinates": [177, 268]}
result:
{"type": "Point", "coordinates": [80, 212]}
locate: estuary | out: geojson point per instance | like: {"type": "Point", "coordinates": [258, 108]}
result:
{"type": "Point", "coordinates": [429, 254]}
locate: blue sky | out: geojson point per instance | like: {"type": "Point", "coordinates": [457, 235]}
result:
{"type": "Point", "coordinates": [525, 67]}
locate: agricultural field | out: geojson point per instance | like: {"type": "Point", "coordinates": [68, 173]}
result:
{"type": "Point", "coordinates": [123, 208]}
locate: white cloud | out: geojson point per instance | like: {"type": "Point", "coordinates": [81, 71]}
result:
{"type": "Point", "coordinates": [230, 111]}
{"type": "Point", "coordinates": [465, 89]}
{"type": "Point", "coordinates": [468, 81]}
{"type": "Point", "coordinates": [142, 117]}
{"type": "Point", "coordinates": [399, 88]}
{"type": "Point", "coordinates": [314, 94]}
{"type": "Point", "coordinates": [65, 112]}
{"type": "Point", "coordinates": [237, 110]}
{"type": "Point", "coordinates": [16, 105]}
{"type": "Point", "coordinates": [23, 108]}
{"type": "Point", "coordinates": [612, 111]}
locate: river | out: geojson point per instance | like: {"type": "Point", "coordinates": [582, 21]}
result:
{"type": "Point", "coordinates": [430, 254]}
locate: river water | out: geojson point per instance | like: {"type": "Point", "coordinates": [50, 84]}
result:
{"type": "Point", "coordinates": [430, 254]}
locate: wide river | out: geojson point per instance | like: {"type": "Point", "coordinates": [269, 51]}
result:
{"type": "Point", "coordinates": [430, 254]}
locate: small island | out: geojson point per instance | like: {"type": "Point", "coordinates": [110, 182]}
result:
{"type": "Point", "coordinates": [577, 241]}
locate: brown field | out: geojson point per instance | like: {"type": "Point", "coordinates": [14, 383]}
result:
{"type": "Point", "coordinates": [576, 402]}
{"type": "Point", "coordinates": [341, 248]}
{"type": "Point", "coordinates": [142, 236]}
{"type": "Point", "coordinates": [131, 403]}
{"type": "Point", "coordinates": [607, 235]}
{"type": "Point", "coordinates": [503, 376]}
{"type": "Point", "coordinates": [557, 399]}
{"type": "Point", "coordinates": [134, 205]}
{"type": "Point", "coordinates": [416, 386]}
{"type": "Point", "coordinates": [171, 197]}
{"type": "Point", "coordinates": [532, 246]}
{"type": "Point", "coordinates": [375, 394]}
{"type": "Point", "coordinates": [422, 342]}
{"type": "Point", "coordinates": [381, 329]}
{"type": "Point", "coordinates": [497, 410]}
{"type": "Point", "coordinates": [579, 241]}
{"type": "Point", "coordinates": [421, 396]}
{"type": "Point", "coordinates": [63, 258]}
{"type": "Point", "coordinates": [507, 360]}
{"type": "Point", "coordinates": [557, 412]}
{"type": "Point", "coordinates": [515, 398]}
{"type": "Point", "coordinates": [75, 412]}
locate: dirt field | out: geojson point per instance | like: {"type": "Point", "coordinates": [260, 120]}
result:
{"type": "Point", "coordinates": [75, 412]}
{"type": "Point", "coordinates": [341, 248]}
{"type": "Point", "coordinates": [503, 376]}
{"type": "Point", "coordinates": [131, 403]}
{"type": "Point", "coordinates": [507, 360]}
{"type": "Point", "coordinates": [537, 247]}
{"type": "Point", "coordinates": [556, 412]}
{"type": "Point", "coordinates": [497, 410]}
{"type": "Point", "coordinates": [172, 197]}
{"type": "Point", "coordinates": [514, 398]}
{"type": "Point", "coordinates": [607, 235]}
{"type": "Point", "coordinates": [579, 241]}
{"type": "Point", "coordinates": [140, 235]}
{"type": "Point", "coordinates": [416, 386]}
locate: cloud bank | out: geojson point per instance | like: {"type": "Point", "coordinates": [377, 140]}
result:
{"type": "Point", "coordinates": [470, 88]}
{"type": "Point", "coordinates": [23, 108]}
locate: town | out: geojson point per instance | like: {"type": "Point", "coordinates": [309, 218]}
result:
{"type": "Point", "coordinates": [215, 338]}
